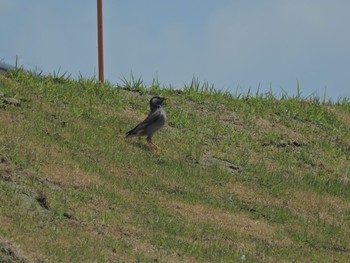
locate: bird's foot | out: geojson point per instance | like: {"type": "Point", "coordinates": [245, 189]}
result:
{"type": "Point", "coordinates": [154, 147]}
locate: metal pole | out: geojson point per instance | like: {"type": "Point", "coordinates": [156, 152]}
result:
{"type": "Point", "coordinates": [100, 41]}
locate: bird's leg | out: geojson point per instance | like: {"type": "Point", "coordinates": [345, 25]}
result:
{"type": "Point", "coordinates": [155, 147]}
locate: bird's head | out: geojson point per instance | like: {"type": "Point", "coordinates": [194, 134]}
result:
{"type": "Point", "coordinates": [156, 102]}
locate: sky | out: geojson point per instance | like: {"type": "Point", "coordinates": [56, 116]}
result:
{"type": "Point", "coordinates": [236, 45]}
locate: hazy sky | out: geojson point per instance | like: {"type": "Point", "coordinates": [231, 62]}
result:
{"type": "Point", "coordinates": [231, 43]}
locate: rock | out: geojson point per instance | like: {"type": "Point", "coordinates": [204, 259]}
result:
{"type": "Point", "coordinates": [208, 160]}
{"type": "Point", "coordinates": [233, 167]}
{"type": "Point", "coordinates": [12, 101]}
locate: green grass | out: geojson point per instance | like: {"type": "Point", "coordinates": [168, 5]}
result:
{"type": "Point", "coordinates": [241, 177]}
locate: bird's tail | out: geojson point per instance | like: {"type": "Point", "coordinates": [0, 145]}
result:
{"type": "Point", "coordinates": [130, 133]}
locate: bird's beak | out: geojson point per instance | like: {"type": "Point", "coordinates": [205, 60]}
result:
{"type": "Point", "coordinates": [166, 98]}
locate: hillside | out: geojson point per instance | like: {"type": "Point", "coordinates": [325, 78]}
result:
{"type": "Point", "coordinates": [240, 178]}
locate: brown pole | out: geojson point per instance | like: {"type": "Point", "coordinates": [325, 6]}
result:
{"type": "Point", "coordinates": [100, 41]}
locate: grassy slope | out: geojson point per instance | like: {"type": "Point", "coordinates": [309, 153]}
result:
{"type": "Point", "coordinates": [250, 179]}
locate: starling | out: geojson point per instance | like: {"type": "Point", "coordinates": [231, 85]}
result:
{"type": "Point", "coordinates": [154, 121]}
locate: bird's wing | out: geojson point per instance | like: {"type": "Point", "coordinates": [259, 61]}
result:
{"type": "Point", "coordinates": [151, 118]}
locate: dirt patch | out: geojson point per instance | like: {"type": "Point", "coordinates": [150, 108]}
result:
{"type": "Point", "coordinates": [251, 195]}
{"type": "Point", "coordinates": [230, 118]}
{"type": "Point", "coordinates": [328, 208]}
{"type": "Point", "coordinates": [67, 176]}
{"type": "Point", "coordinates": [320, 207]}
{"type": "Point", "coordinates": [292, 138]}
{"type": "Point", "coordinates": [133, 238]}
{"type": "Point", "coordinates": [133, 115]}
{"type": "Point", "coordinates": [239, 223]}
{"type": "Point", "coordinates": [5, 117]}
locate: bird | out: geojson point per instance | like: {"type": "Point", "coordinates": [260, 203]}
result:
{"type": "Point", "coordinates": [153, 122]}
